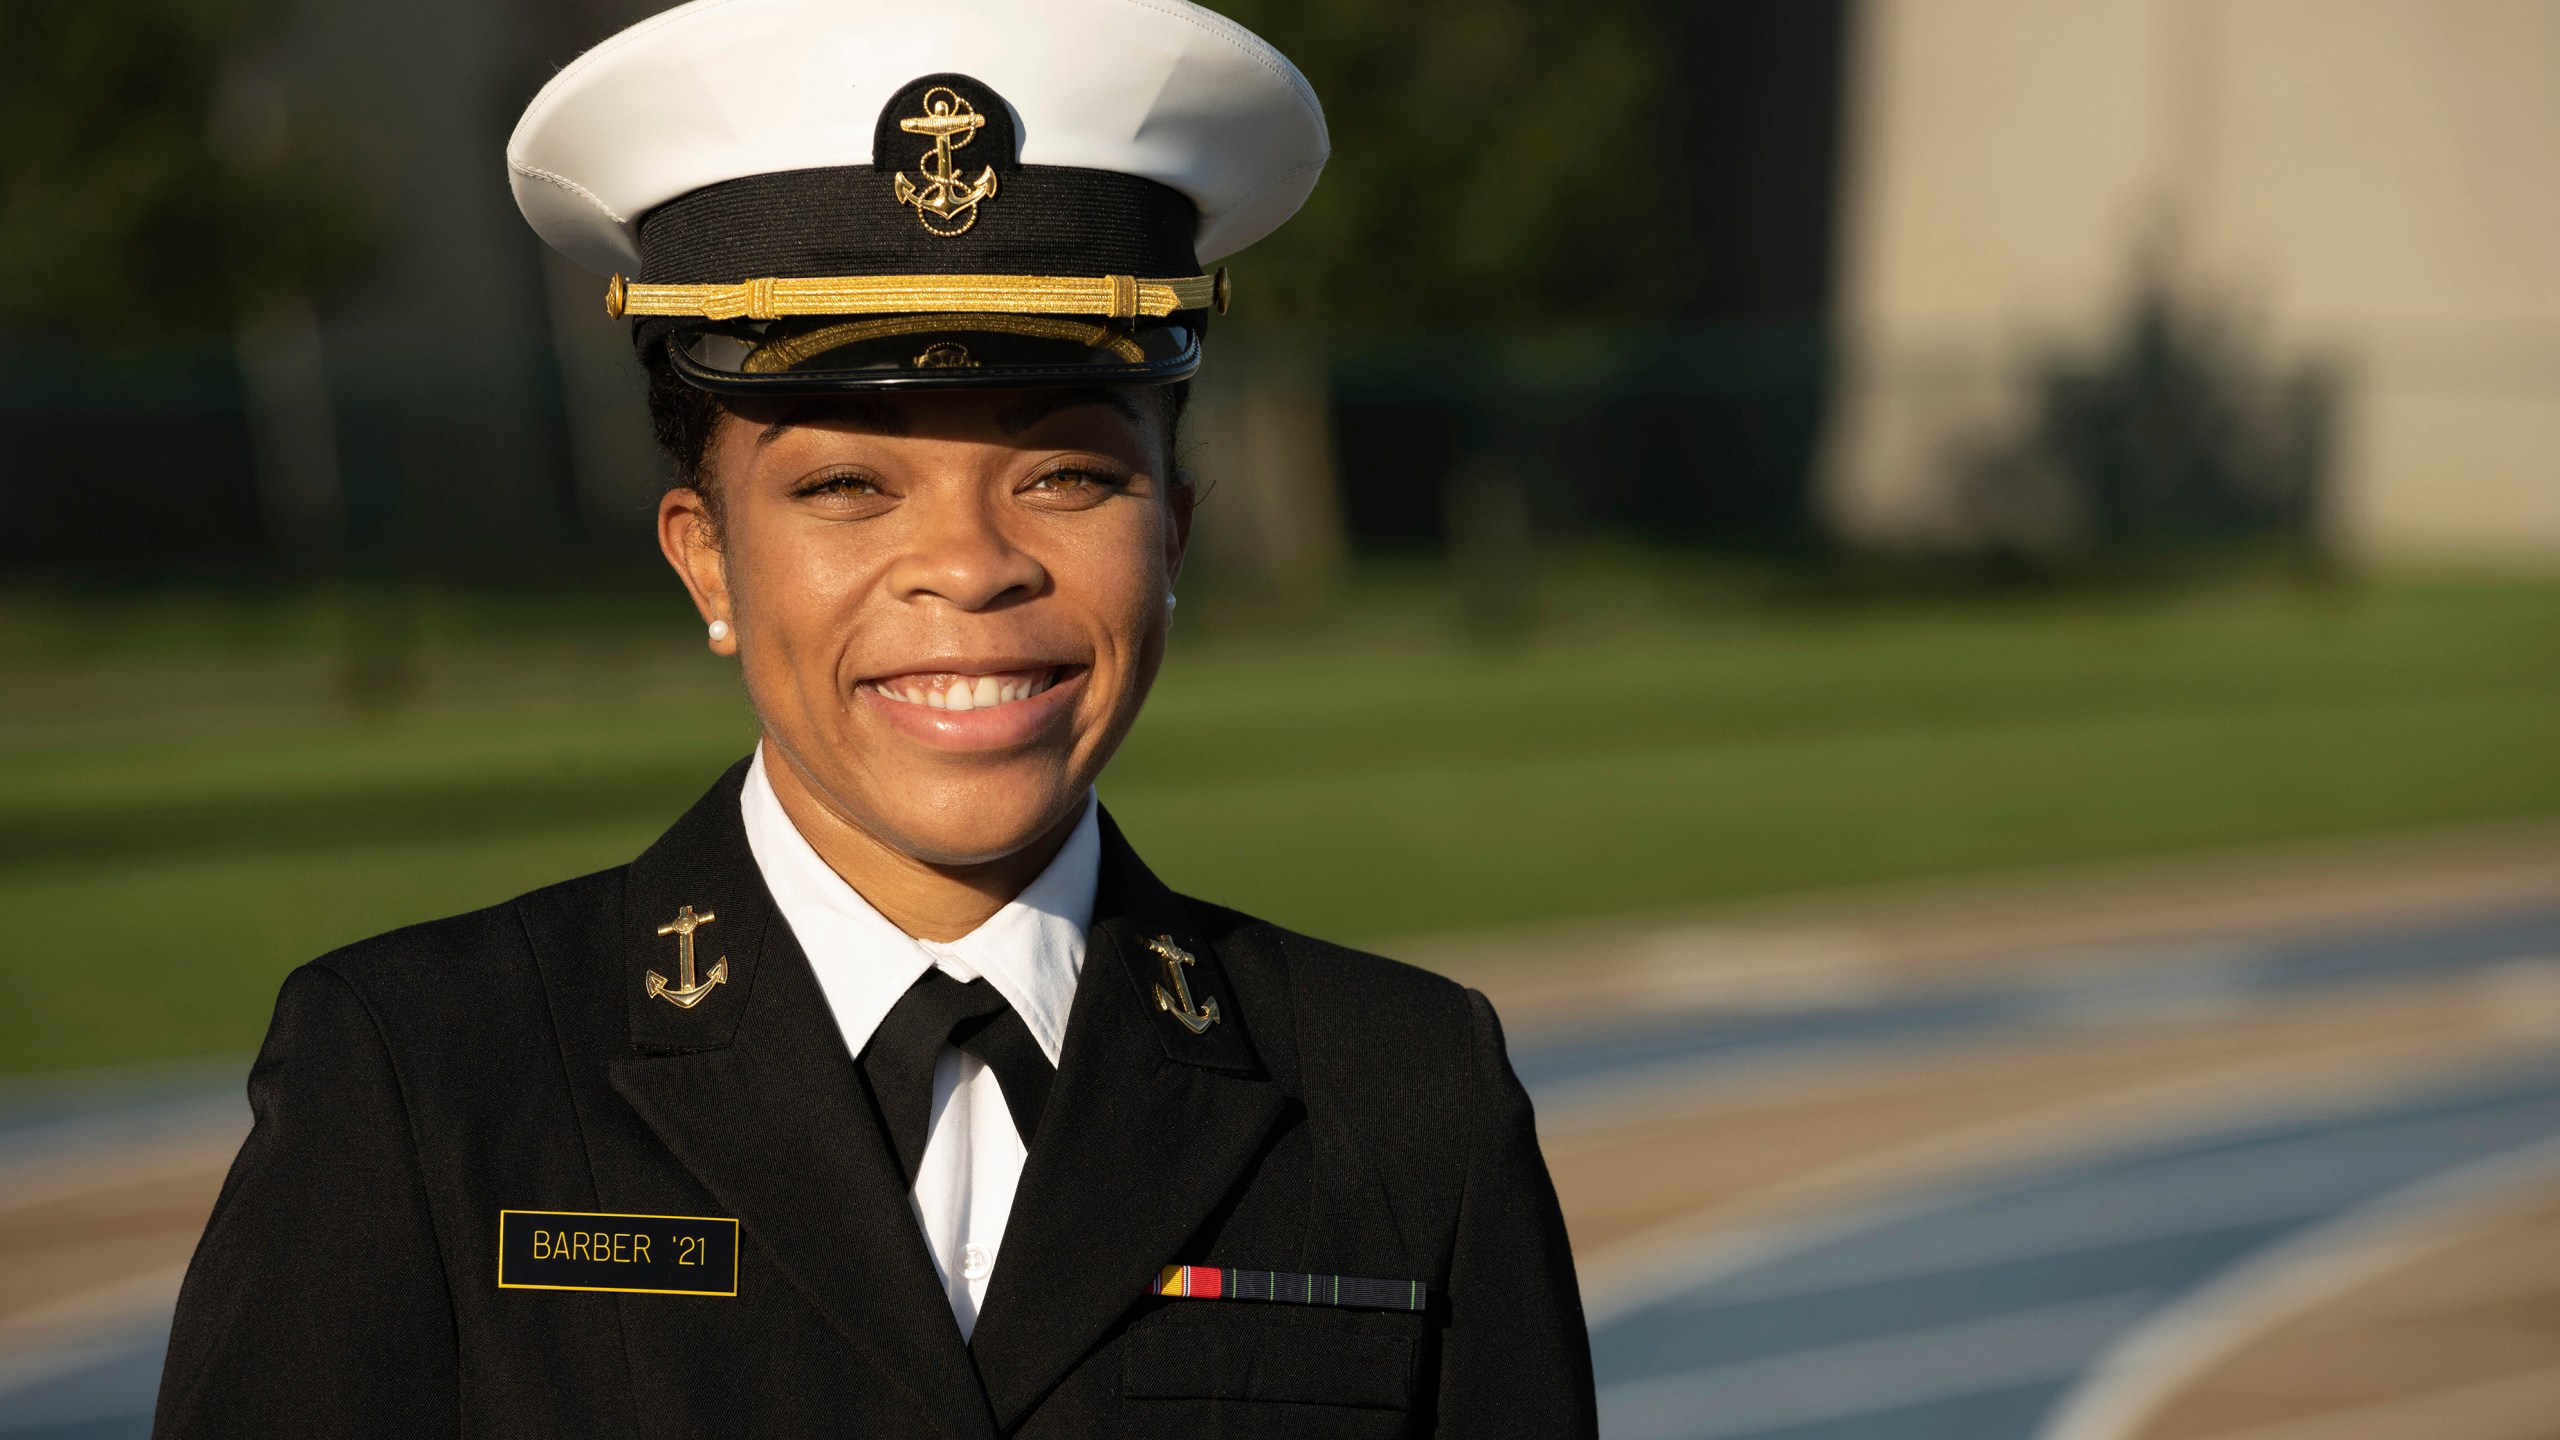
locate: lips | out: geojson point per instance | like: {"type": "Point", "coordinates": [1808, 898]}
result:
{"type": "Point", "coordinates": [959, 690]}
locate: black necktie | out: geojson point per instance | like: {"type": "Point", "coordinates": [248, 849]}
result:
{"type": "Point", "coordinates": [937, 1011]}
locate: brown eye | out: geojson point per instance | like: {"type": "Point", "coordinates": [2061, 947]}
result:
{"type": "Point", "coordinates": [1076, 482]}
{"type": "Point", "coordinates": [848, 493]}
{"type": "Point", "coordinates": [839, 485]}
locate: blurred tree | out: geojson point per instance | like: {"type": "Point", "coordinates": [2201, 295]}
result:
{"type": "Point", "coordinates": [2177, 436]}
{"type": "Point", "coordinates": [153, 183]}
{"type": "Point", "coordinates": [1493, 160]}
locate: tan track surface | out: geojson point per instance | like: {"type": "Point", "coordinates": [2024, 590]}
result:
{"type": "Point", "coordinates": [90, 1245]}
{"type": "Point", "coordinates": [2458, 1341]}
{"type": "Point", "coordinates": [1792, 949]}
{"type": "Point", "coordinates": [1804, 1144]}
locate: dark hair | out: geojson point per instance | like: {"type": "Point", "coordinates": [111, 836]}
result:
{"type": "Point", "coordinates": [683, 417]}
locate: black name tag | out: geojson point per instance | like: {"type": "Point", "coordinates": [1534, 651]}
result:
{"type": "Point", "coordinates": [636, 1254]}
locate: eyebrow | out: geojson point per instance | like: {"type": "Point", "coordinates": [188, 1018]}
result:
{"type": "Point", "coordinates": [1015, 419]}
{"type": "Point", "coordinates": [873, 415]}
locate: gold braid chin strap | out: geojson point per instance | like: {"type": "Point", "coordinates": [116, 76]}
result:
{"type": "Point", "coordinates": [1121, 297]}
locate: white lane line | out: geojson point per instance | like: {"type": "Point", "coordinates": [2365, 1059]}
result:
{"type": "Point", "coordinates": [2290, 1179]}
{"type": "Point", "coordinates": [1830, 1249]}
{"type": "Point", "coordinates": [1964, 1164]}
{"type": "Point", "coordinates": [1676, 1264]}
{"type": "Point", "coordinates": [2186, 1340]}
{"type": "Point", "coordinates": [1862, 1377]}
{"type": "Point", "coordinates": [2137, 989]}
{"type": "Point", "coordinates": [2520, 1407]}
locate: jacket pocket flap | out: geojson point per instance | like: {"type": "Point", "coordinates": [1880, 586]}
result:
{"type": "Point", "coordinates": [1294, 1364]}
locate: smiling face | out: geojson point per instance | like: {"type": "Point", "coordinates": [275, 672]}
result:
{"type": "Point", "coordinates": [947, 606]}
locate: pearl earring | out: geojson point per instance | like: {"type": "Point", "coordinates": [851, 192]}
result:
{"type": "Point", "coordinates": [719, 631]}
{"type": "Point", "coordinates": [1171, 600]}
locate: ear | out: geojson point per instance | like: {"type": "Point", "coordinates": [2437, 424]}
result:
{"type": "Point", "coordinates": [689, 537]}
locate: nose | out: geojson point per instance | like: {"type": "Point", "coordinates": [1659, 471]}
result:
{"type": "Point", "coordinates": [957, 553]}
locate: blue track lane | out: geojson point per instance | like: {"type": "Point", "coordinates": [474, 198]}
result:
{"type": "Point", "coordinates": [1969, 1315]}
{"type": "Point", "coordinates": [102, 1391]}
{"type": "Point", "coordinates": [1693, 1049]}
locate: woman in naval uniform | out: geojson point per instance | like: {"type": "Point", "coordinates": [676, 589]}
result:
{"type": "Point", "coordinates": [889, 1094]}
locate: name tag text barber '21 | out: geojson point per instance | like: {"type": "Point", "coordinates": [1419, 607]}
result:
{"type": "Point", "coordinates": [632, 1254]}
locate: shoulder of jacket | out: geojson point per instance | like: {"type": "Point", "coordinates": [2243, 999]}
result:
{"type": "Point", "coordinates": [1360, 1017]}
{"type": "Point", "coordinates": [1324, 973]}
{"type": "Point", "coordinates": [485, 953]}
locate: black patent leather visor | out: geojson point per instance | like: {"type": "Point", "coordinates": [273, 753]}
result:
{"type": "Point", "coordinates": [933, 352]}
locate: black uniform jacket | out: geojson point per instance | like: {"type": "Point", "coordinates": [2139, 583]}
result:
{"type": "Point", "coordinates": [1345, 1115]}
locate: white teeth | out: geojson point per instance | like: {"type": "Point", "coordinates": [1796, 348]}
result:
{"type": "Point", "coordinates": [981, 692]}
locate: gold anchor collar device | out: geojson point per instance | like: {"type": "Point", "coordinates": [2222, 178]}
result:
{"type": "Point", "coordinates": [1177, 1002]}
{"type": "Point", "coordinates": [685, 993]}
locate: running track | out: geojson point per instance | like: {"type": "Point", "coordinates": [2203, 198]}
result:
{"type": "Point", "coordinates": [1977, 1307]}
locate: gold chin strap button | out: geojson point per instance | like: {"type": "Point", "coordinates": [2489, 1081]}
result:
{"type": "Point", "coordinates": [945, 355]}
{"type": "Point", "coordinates": [616, 295]}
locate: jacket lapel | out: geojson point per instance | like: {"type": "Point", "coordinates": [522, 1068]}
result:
{"type": "Point", "coordinates": [1148, 1128]}
{"type": "Point", "coordinates": [751, 1089]}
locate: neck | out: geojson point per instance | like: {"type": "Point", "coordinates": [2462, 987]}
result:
{"type": "Point", "coordinates": [927, 900]}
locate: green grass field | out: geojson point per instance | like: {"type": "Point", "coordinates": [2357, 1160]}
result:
{"type": "Point", "coordinates": [191, 807]}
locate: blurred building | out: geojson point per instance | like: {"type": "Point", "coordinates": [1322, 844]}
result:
{"type": "Point", "coordinates": [2367, 187]}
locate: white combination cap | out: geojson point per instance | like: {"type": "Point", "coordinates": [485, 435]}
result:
{"type": "Point", "coordinates": [720, 90]}
{"type": "Point", "coordinates": [841, 194]}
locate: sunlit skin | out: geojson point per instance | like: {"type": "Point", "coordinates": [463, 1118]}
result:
{"type": "Point", "coordinates": [863, 544]}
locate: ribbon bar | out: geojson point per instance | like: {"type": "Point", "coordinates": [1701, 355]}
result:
{"type": "Point", "coordinates": [1289, 1287]}
{"type": "Point", "coordinates": [1121, 297]}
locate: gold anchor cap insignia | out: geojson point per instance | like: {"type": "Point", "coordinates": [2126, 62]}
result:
{"type": "Point", "coordinates": [945, 204]}
{"type": "Point", "coordinates": [1177, 1001]}
{"type": "Point", "coordinates": [685, 994]}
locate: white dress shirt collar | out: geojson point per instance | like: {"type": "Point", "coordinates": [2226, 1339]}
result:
{"type": "Point", "coordinates": [1031, 951]}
